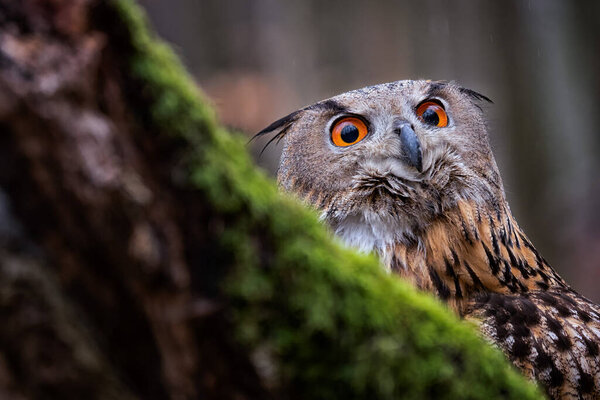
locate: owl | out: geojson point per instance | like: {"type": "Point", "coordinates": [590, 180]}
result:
{"type": "Point", "coordinates": [405, 170]}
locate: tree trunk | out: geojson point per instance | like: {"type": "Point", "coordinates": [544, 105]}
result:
{"type": "Point", "coordinates": [143, 256]}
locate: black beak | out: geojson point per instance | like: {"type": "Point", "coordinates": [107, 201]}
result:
{"type": "Point", "coordinates": [411, 146]}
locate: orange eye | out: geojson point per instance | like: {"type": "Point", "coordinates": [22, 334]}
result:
{"type": "Point", "coordinates": [348, 131]}
{"type": "Point", "coordinates": [433, 114]}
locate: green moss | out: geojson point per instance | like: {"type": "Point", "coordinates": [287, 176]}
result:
{"type": "Point", "coordinates": [334, 324]}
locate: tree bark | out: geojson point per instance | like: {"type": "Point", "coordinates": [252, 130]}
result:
{"type": "Point", "coordinates": [156, 262]}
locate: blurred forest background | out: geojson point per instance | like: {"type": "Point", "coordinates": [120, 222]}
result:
{"type": "Point", "coordinates": [538, 60]}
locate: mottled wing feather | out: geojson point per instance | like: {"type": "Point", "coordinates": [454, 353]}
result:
{"type": "Point", "coordinates": [552, 336]}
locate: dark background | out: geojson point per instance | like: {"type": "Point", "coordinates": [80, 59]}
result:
{"type": "Point", "coordinates": [538, 61]}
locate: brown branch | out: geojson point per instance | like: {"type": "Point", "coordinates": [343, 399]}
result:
{"type": "Point", "coordinates": [103, 208]}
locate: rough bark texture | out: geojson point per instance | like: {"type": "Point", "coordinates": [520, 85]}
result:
{"type": "Point", "coordinates": [150, 259]}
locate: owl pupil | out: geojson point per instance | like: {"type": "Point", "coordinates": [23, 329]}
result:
{"type": "Point", "coordinates": [349, 133]}
{"type": "Point", "coordinates": [431, 117]}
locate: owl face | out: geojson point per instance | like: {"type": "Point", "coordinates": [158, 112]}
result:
{"type": "Point", "coordinates": [383, 162]}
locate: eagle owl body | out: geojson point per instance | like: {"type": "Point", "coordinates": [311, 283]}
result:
{"type": "Point", "coordinates": [405, 170]}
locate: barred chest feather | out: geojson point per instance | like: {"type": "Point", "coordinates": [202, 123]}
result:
{"type": "Point", "coordinates": [485, 268]}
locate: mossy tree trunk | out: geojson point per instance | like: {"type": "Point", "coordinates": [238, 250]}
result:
{"type": "Point", "coordinates": [143, 256]}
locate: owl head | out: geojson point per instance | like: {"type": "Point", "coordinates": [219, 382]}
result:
{"type": "Point", "coordinates": [383, 162]}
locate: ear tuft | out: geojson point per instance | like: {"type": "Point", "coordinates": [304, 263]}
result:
{"type": "Point", "coordinates": [282, 126]}
{"type": "Point", "coordinates": [475, 95]}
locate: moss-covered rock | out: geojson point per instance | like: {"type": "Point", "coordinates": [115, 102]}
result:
{"type": "Point", "coordinates": [317, 319]}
